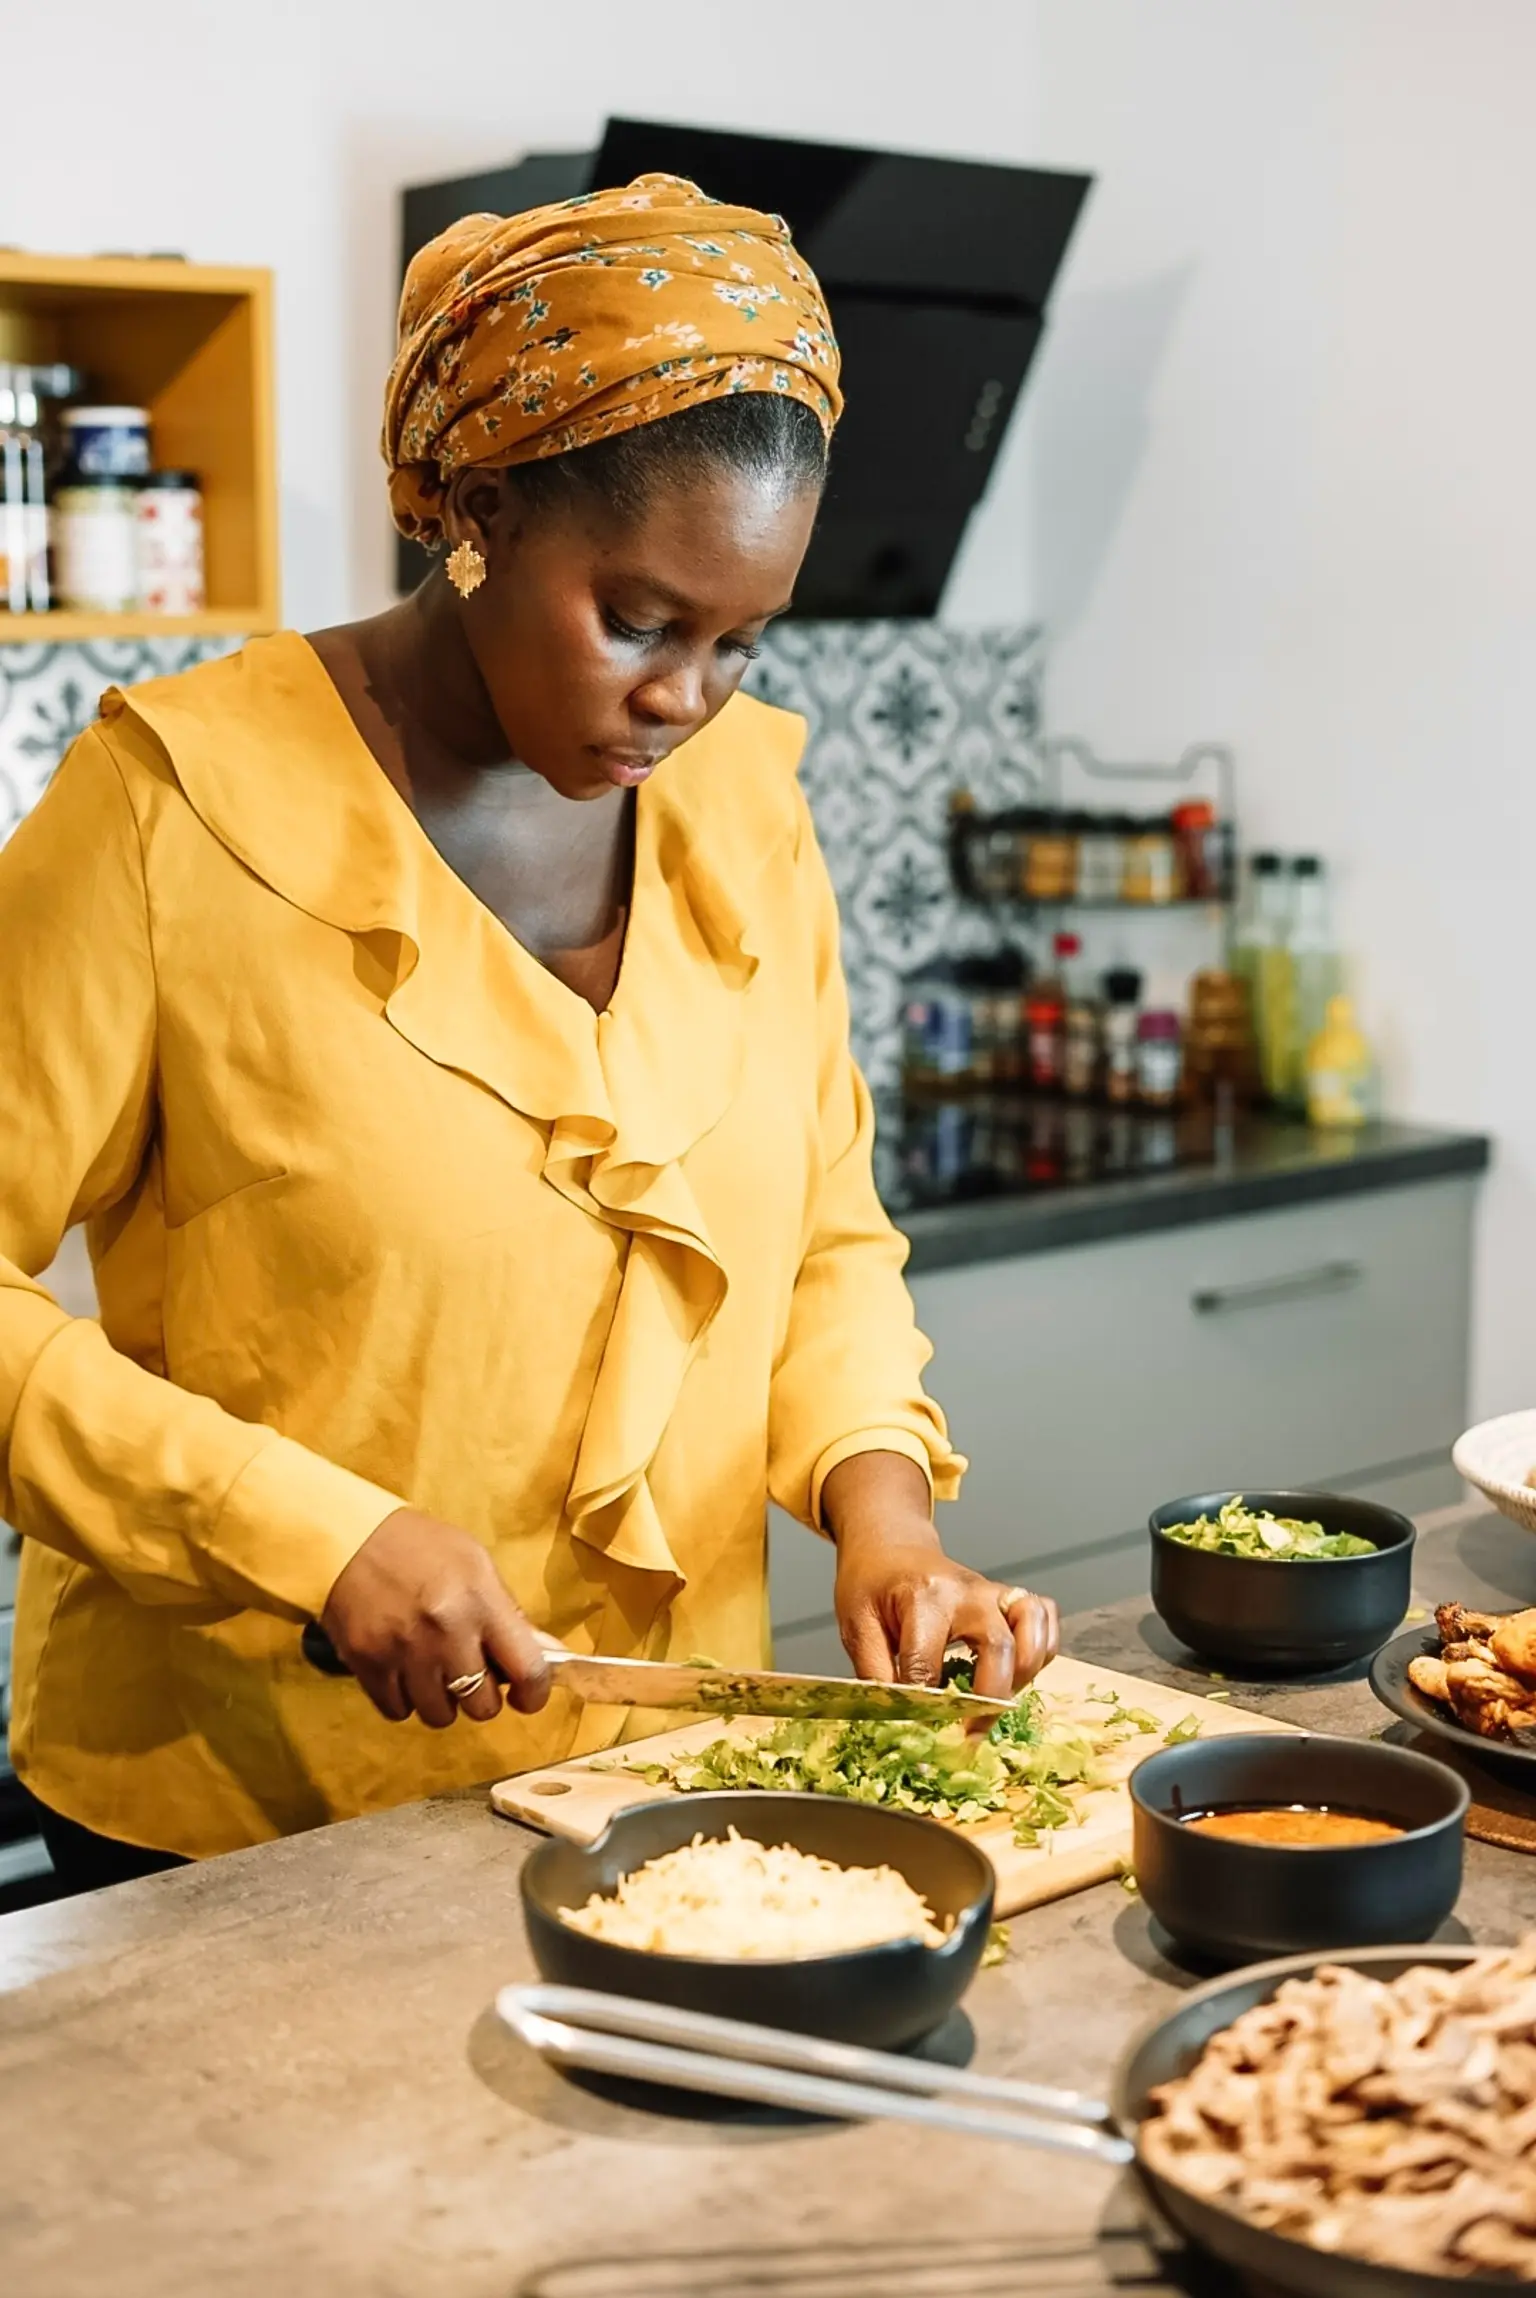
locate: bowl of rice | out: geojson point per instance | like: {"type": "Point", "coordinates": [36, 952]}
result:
{"type": "Point", "coordinates": [803, 1911]}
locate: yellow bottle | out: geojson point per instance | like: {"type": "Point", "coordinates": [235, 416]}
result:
{"type": "Point", "coordinates": [1339, 1070]}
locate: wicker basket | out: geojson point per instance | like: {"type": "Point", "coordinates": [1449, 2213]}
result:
{"type": "Point", "coordinates": [1497, 1456]}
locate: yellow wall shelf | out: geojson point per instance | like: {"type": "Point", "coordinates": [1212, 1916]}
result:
{"type": "Point", "coordinates": [193, 344]}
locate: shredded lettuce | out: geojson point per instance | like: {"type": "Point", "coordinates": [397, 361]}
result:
{"type": "Point", "coordinates": [1027, 1765]}
{"type": "Point", "coordinates": [996, 1948]}
{"type": "Point", "coordinates": [1243, 1531]}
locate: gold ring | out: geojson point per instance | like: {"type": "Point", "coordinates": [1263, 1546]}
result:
{"type": "Point", "coordinates": [465, 1687]}
{"type": "Point", "coordinates": [1007, 1603]}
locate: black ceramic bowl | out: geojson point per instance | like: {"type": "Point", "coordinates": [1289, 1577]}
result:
{"type": "Point", "coordinates": [1284, 1618]}
{"type": "Point", "coordinates": [884, 1996]}
{"type": "Point", "coordinates": [1241, 1902]}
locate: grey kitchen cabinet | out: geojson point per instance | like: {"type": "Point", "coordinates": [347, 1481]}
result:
{"type": "Point", "coordinates": [1323, 1344]}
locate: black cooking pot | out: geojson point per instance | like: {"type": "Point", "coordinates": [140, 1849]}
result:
{"type": "Point", "coordinates": [1294, 1619]}
{"type": "Point", "coordinates": [1235, 1901]}
{"type": "Point", "coordinates": [886, 1996]}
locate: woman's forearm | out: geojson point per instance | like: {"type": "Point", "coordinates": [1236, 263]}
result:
{"type": "Point", "coordinates": [875, 1497]}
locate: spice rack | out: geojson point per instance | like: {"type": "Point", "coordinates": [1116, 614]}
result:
{"type": "Point", "coordinates": [192, 344]}
{"type": "Point", "coordinates": [1005, 885]}
{"type": "Point", "coordinates": [1000, 1022]}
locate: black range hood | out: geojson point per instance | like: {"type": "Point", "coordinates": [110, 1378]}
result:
{"type": "Point", "coordinates": [938, 273]}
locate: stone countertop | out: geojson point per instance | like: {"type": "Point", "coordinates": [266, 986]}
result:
{"type": "Point", "coordinates": [279, 2072]}
{"type": "Point", "coordinates": [1259, 1166]}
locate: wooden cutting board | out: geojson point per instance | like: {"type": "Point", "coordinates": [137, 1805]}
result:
{"type": "Point", "coordinates": [578, 1799]}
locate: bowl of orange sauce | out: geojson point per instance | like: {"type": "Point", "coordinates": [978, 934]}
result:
{"type": "Point", "coordinates": [1275, 1843]}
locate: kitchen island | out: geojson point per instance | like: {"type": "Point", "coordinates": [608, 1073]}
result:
{"type": "Point", "coordinates": [280, 2072]}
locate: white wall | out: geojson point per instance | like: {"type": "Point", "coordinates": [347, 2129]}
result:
{"type": "Point", "coordinates": [1284, 491]}
{"type": "Point", "coordinates": [1274, 481]}
{"type": "Point", "coordinates": [281, 135]}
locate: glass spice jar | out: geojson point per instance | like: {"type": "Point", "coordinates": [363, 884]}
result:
{"type": "Point", "coordinates": [1152, 872]}
{"type": "Point", "coordinates": [96, 547]}
{"type": "Point", "coordinates": [995, 859]}
{"type": "Point", "coordinates": [1050, 868]}
{"type": "Point", "coordinates": [1100, 859]}
{"type": "Point", "coordinates": [1193, 823]}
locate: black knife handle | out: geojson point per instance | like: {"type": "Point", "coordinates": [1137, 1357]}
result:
{"type": "Point", "coordinates": [320, 1652]}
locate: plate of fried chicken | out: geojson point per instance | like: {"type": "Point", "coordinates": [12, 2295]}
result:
{"type": "Point", "coordinates": [1471, 1681]}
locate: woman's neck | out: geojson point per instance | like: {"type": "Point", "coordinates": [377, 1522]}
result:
{"type": "Point", "coordinates": [415, 694]}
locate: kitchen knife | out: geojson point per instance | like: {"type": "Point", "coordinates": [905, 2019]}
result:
{"type": "Point", "coordinates": [727, 1691]}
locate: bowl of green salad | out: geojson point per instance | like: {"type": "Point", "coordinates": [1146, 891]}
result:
{"type": "Point", "coordinates": [1281, 1583]}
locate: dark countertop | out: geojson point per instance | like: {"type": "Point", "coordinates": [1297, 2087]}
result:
{"type": "Point", "coordinates": [280, 2071]}
{"type": "Point", "coordinates": [959, 1180]}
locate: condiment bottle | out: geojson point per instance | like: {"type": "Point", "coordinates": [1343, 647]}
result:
{"type": "Point", "coordinates": [1159, 1059]}
{"type": "Point", "coordinates": [1218, 1047]}
{"type": "Point", "coordinates": [23, 496]}
{"type": "Point", "coordinates": [1317, 974]}
{"type": "Point", "coordinates": [1261, 957]}
{"type": "Point", "coordinates": [1045, 1014]}
{"type": "Point", "coordinates": [1008, 974]}
{"type": "Point", "coordinates": [1122, 994]}
{"type": "Point", "coordinates": [1080, 1025]}
{"type": "Point", "coordinates": [937, 1030]}
{"type": "Point", "coordinates": [1340, 1076]}
{"type": "Point", "coordinates": [964, 837]}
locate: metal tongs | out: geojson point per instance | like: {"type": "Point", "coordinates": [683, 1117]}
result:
{"type": "Point", "coordinates": [728, 2058]}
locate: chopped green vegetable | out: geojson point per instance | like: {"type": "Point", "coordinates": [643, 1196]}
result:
{"type": "Point", "coordinates": [703, 1660]}
{"type": "Point", "coordinates": [1129, 1884]}
{"type": "Point", "coordinates": [1027, 1765]}
{"type": "Point", "coordinates": [1218, 1695]}
{"type": "Point", "coordinates": [1252, 1532]}
{"type": "Point", "coordinates": [1187, 1728]}
{"type": "Point", "coordinates": [996, 1948]}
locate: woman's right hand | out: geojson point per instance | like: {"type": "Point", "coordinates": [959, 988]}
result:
{"type": "Point", "coordinates": [421, 1604]}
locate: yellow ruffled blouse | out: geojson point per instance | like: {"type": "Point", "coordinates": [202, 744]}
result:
{"type": "Point", "coordinates": [382, 1212]}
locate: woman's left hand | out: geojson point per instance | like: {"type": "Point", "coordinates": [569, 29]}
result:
{"type": "Point", "coordinates": [901, 1601]}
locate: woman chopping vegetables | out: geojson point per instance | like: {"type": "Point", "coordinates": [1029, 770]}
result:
{"type": "Point", "coordinates": [438, 1023]}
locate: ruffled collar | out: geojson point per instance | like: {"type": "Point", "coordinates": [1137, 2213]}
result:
{"type": "Point", "coordinates": [267, 756]}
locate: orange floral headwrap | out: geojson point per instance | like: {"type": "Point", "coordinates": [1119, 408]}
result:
{"type": "Point", "coordinates": [527, 335]}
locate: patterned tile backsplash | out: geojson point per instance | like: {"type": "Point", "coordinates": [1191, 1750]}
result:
{"type": "Point", "coordinates": [899, 713]}
{"type": "Point", "coordinates": [48, 695]}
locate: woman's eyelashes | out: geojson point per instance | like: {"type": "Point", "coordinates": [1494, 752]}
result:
{"type": "Point", "coordinates": [632, 634]}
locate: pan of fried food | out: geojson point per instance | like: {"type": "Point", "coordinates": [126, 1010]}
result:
{"type": "Point", "coordinates": [1378, 2107]}
{"type": "Point", "coordinates": [1471, 1682]}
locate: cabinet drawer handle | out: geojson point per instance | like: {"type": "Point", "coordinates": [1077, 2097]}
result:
{"type": "Point", "coordinates": [1331, 1277]}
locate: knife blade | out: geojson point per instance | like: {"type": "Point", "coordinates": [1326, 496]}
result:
{"type": "Point", "coordinates": [729, 1691]}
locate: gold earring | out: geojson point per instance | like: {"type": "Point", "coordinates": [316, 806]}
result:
{"type": "Point", "coordinates": [465, 568]}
